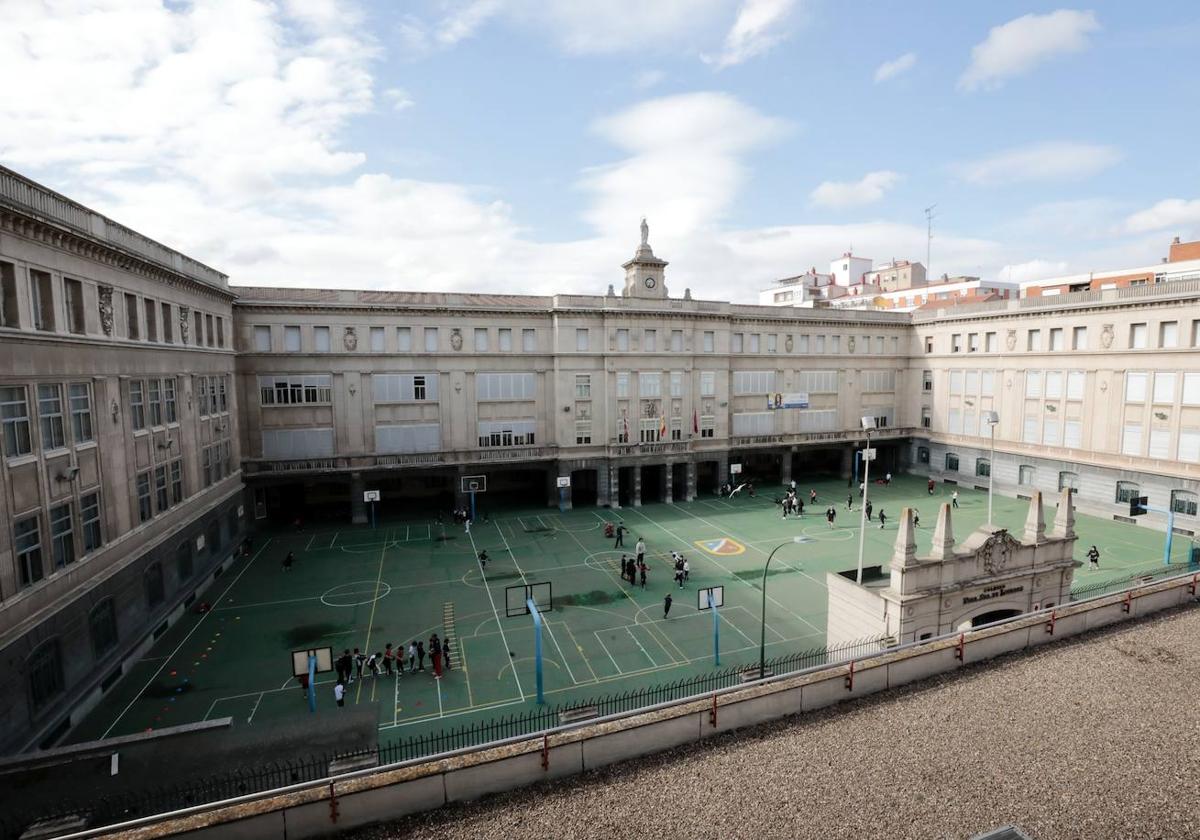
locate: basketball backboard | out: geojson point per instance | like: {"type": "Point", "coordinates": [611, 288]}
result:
{"type": "Point", "coordinates": [718, 597]}
{"type": "Point", "coordinates": [300, 660]}
{"type": "Point", "coordinates": [516, 598]}
{"type": "Point", "coordinates": [473, 484]}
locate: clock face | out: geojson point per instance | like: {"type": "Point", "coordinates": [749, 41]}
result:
{"type": "Point", "coordinates": [649, 282]}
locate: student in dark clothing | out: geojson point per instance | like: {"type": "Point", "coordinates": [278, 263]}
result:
{"type": "Point", "coordinates": [483, 559]}
{"type": "Point", "coordinates": [344, 665]}
{"type": "Point", "coordinates": [667, 605]}
{"type": "Point", "coordinates": [620, 535]}
{"type": "Point", "coordinates": [287, 561]}
{"type": "Point", "coordinates": [882, 518]}
{"type": "Point", "coordinates": [420, 656]}
{"type": "Point", "coordinates": [643, 571]}
{"type": "Point", "coordinates": [916, 518]}
{"type": "Point", "coordinates": [870, 507]}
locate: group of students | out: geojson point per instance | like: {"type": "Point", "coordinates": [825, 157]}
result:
{"type": "Point", "coordinates": [351, 666]}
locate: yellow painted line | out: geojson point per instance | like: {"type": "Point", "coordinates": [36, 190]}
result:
{"type": "Point", "coordinates": [579, 647]}
{"type": "Point", "coordinates": [371, 622]}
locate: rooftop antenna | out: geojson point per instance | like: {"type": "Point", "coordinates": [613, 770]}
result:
{"type": "Point", "coordinates": [929, 216]}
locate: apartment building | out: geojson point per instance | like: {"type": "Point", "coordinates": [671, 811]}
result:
{"type": "Point", "coordinates": [1181, 263]}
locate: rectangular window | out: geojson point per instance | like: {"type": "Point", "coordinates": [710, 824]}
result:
{"type": "Point", "coordinates": [710, 341]}
{"type": "Point", "coordinates": [955, 421]}
{"type": "Point", "coordinates": [145, 510]}
{"type": "Point", "coordinates": [817, 381]}
{"type": "Point", "coordinates": [987, 383]}
{"type": "Point", "coordinates": [297, 443]}
{"type": "Point", "coordinates": [151, 320]}
{"type": "Point", "coordinates": [1131, 439]}
{"type": "Point", "coordinates": [990, 344]}
{"type": "Point", "coordinates": [676, 383]}
{"type": "Point", "coordinates": [1137, 336]}
{"type": "Point", "coordinates": [1135, 387]}
{"type": "Point", "coordinates": [1029, 432]}
{"type": "Point", "coordinates": [160, 488]}
{"type": "Point", "coordinates": [735, 343]}
{"type": "Point", "coordinates": [676, 341]}
{"type": "Point", "coordinates": [529, 340]}
{"type": "Point", "coordinates": [506, 386]}
{"type": "Point", "coordinates": [1033, 340]}
{"type": "Point", "coordinates": [1075, 381]}
{"type": "Point", "coordinates": [177, 481]}
{"type": "Point", "coordinates": [1164, 388]}
{"type": "Point", "coordinates": [1160, 443]}
{"type": "Point", "coordinates": [820, 344]}
{"type": "Point", "coordinates": [1191, 389]}
{"type": "Point", "coordinates": [404, 387]}
{"type": "Point", "coordinates": [1054, 384]}
{"type": "Point", "coordinates": [202, 401]}
{"type": "Point", "coordinates": [622, 340]}
{"type": "Point", "coordinates": [1073, 434]}
{"type": "Point", "coordinates": [1168, 334]}
{"type": "Point", "coordinates": [404, 339]}
{"type": "Point", "coordinates": [27, 541]}
{"type": "Point", "coordinates": [291, 339]}
{"type": "Point", "coordinates": [650, 341]}
{"type": "Point", "coordinates": [73, 293]}
{"type": "Point", "coordinates": [481, 339]}
{"type": "Point", "coordinates": [262, 339]}
{"type": "Point", "coordinates": [1056, 340]}
{"type": "Point", "coordinates": [1196, 333]}
{"type": "Point", "coordinates": [62, 536]}
{"type": "Point", "coordinates": [752, 423]}
{"type": "Point", "coordinates": [926, 380]}
{"type": "Point", "coordinates": [804, 344]}
{"type": "Point", "coordinates": [649, 384]}
{"type": "Point", "coordinates": [321, 339]}
{"type": "Point", "coordinates": [168, 328]}
{"type": "Point", "coordinates": [377, 345]}
{"type": "Point", "coordinates": [708, 383]}
{"type": "Point", "coordinates": [1189, 445]}
{"type": "Point", "coordinates": [1033, 383]}
{"type": "Point", "coordinates": [89, 515]}
{"type": "Point", "coordinates": [926, 418]}
{"type": "Point", "coordinates": [81, 411]}
{"type": "Point", "coordinates": [951, 462]}
{"type": "Point", "coordinates": [504, 339]}
{"type": "Point", "coordinates": [623, 384]}
{"type": "Point", "coordinates": [747, 382]}
{"type": "Point", "coordinates": [220, 331]}
{"type": "Point", "coordinates": [507, 432]}
{"type": "Point", "coordinates": [581, 340]}
{"type": "Point", "coordinates": [155, 389]}
{"type": "Point", "coordinates": [137, 404]}
{"type": "Point", "coordinates": [14, 413]}
{"type": "Point", "coordinates": [132, 318]}
{"type": "Point", "coordinates": [973, 342]}
{"type": "Point", "coordinates": [972, 386]}
{"type": "Point", "coordinates": [1051, 432]}
{"type": "Point", "coordinates": [206, 466]}
{"type": "Point", "coordinates": [956, 383]}
{"type": "Point", "coordinates": [43, 300]}
{"type": "Point", "coordinates": [583, 386]}
{"type": "Point", "coordinates": [754, 345]}
{"type": "Point", "coordinates": [583, 432]}
{"type": "Point", "coordinates": [431, 339]}
{"type": "Point", "coordinates": [9, 316]}
{"type": "Point", "coordinates": [1079, 338]}
{"type": "Point", "coordinates": [835, 344]}
{"type": "Point", "coordinates": [956, 343]}
{"type": "Point", "coordinates": [50, 417]}
{"type": "Point", "coordinates": [208, 329]}
{"type": "Point", "coordinates": [409, 437]}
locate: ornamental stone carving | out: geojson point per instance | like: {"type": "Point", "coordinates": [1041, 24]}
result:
{"type": "Point", "coordinates": [996, 552]}
{"type": "Point", "coordinates": [456, 338]}
{"type": "Point", "coordinates": [788, 344]}
{"type": "Point", "coordinates": [849, 343]}
{"type": "Point", "coordinates": [350, 339]}
{"type": "Point", "coordinates": [1106, 336]}
{"type": "Point", "coordinates": [1010, 340]}
{"type": "Point", "coordinates": [184, 312]}
{"type": "Point", "coordinates": [106, 310]}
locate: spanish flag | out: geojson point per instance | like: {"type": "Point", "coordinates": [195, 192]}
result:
{"type": "Point", "coordinates": [662, 427]}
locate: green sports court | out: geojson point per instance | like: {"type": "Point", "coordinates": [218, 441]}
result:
{"type": "Point", "coordinates": [400, 581]}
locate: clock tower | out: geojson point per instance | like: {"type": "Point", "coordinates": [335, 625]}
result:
{"type": "Point", "coordinates": [645, 274]}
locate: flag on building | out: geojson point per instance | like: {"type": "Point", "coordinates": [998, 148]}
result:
{"type": "Point", "coordinates": [662, 426]}
{"type": "Point", "coordinates": [695, 422]}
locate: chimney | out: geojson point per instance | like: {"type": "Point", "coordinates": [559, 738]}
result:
{"type": "Point", "coordinates": [1175, 241]}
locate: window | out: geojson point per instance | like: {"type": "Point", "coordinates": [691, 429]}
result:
{"type": "Point", "coordinates": [1079, 338]}
{"type": "Point", "coordinates": [1160, 443]}
{"type": "Point", "coordinates": [481, 339]}
{"type": "Point", "coordinates": [753, 382]}
{"type": "Point", "coordinates": [951, 462]}
{"type": "Point", "coordinates": [954, 421]}
{"type": "Point", "coordinates": [1033, 341]}
{"type": "Point", "coordinates": [1184, 502]}
{"type": "Point", "coordinates": [81, 411]}
{"type": "Point", "coordinates": [1127, 491]}
{"type": "Point", "coordinates": [160, 488]}
{"type": "Point", "coordinates": [291, 339]}
{"type": "Point", "coordinates": [145, 510]}
{"type": "Point", "coordinates": [177, 481]}
{"type": "Point", "coordinates": [1164, 388]}
{"type": "Point", "coordinates": [408, 437]}
{"type": "Point", "coordinates": [583, 386]}
{"type": "Point", "coordinates": [169, 411]}
{"type": "Point", "coordinates": [622, 340]}
{"type": "Point", "coordinates": [956, 382]}
{"type": "Point", "coordinates": [404, 339]}
{"type": "Point", "coordinates": [676, 383]}
{"type": "Point", "coordinates": [1051, 432]}
{"type": "Point", "coordinates": [581, 340]}
{"type": "Point", "coordinates": [878, 380]}
{"type": "Point", "coordinates": [168, 328]}
{"type": "Point", "coordinates": [151, 321]}
{"type": "Point", "coordinates": [835, 344]}
{"type": "Point", "coordinates": [708, 383]}
{"type": "Point", "coordinates": [132, 319]}
{"type": "Point", "coordinates": [983, 467]}
{"type": "Point", "coordinates": [1075, 380]}
{"type": "Point", "coordinates": [377, 340]}
{"type": "Point", "coordinates": [262, 339]}
{"type": "Point", "coordinates": [506, 386]}
{"type": "Point", "coordinates": [1135, 387]}
{"type": "Point", "coordinates": [206, 460]}
{"type": "Point", "coordinates": [1026, 475]}
{"type": "Point", "coordinates": [956, 343]}
{"type": "Point", "coordinates": [1073, 434]}
{"type": "Point", "coordinates": [583, 432]}
{"type": "Point", "coordinates": [922, 454]}
{"type": "Point", "coordinates": [987, 383]}
{"type": "Point", "coordinates": [708, 426]}
{"type": "Point", "coordinates": [973, 343]}
{"type": "Point", "coordinates": [50, 417]}
{"type": "Point", "coordinates": [43, 300]}
{"type": "Point", "coordinates": [321, 339]}
{"type": "Point", "coordinates": [9, 316]}
{"type": "Point", "coordinates": [102, 624]}
{"type": "Point", "coordinates": [879, 345]}
{"type": "Point", "coordinates": [990, 344]}
{"type": "Point", "coordinates": [735, 343]}
{"type": "Point", "coordinates": [752, 423]}
{"type": "Point", "coordinates": [926, 418]}
{"type": "Point", "coordinates": [14, 413]}
{"type": "Point", "coordinates": [1196, 333]}
{"type": "Point", "coordinates": [404, 387]}
{"type": "Point", "coordinates": [650, 341]}
{"type": "Point", "coordinates": [1054, 385]}
{"type": "Point", "coordinates": [1068, 480]}
{"type": "Point", "coordinates": [73, 292]}
{"type": "Point", "coordinates": [27, 540]}
{"type": "Point", "coordinates": [297, 443]}
{"type": "Point", "coordinates": [803, 344]}
{"type": "Point", "coordinates": [1189, 445]}
{"type": "Point", "coordinates": [504, 339]}
{"type": "Point", "coordinates": [1033, 383]}
{"type": "Point", "coordinates": [155, 402]}
{"type": "Point", "coordinates": [817, 381]}
{"type": "Point", "coordinates": [928, 345]}
{"type": "Point", "coordinates": [820, 344]}
{"type": "Point", "coordinates": [431, 339]}
{"type": "Point", "coordinates": [1191, 389]}
{"type": "Point", "coordinates": [507, 432]}
{"type": "Point", "coordinates": [137, 404]}
{"type": "Point", "coordinates": [1056, 340]}
{"type": "Point", "coordinates": [155, 592]}
{"type": "Point", "coordinates": [1131, 439]}
{"type": "Point", "coordinates": [529, 340]}
{"type": "Point", "coordinates": [202, 399]}
{"type": "Point", "coordinates": [710, 340]}
{"type": "Point", "coordinates": [89, 515]}
{"type": "Point", "coordinates": [623, 429]}
{"type": "Point", "coordinates": [208, 329]}
{"type": "Point", "coordinates": [44, 668]}
{"type": "Point", "coordinates": [754, 342]}
{"type": "Point", "coordinates": [1137, 336]}
{"type": "Point", "coordinates": [62, 536]}
{"type": "Point", "coordinates": [677, 341]}
{"type": "Point", "coordinates": [220, 331]}
{"type": "Point", "coordinates": [623, 384]}
{"type": "Point", "coordinates": [926, 380]}
{"type": "Point", "coordinates": [1029, 431]}
{"type": "Point", "coordinates": [1168, 334]}
{"type": "Point", "coordinates": [649, 384]}
{"type": "Point", "coordinates": [183, 560]}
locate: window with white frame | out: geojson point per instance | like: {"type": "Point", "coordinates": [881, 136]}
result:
{"type": "Point", "coordinates": [481, 339]}
{"type": "Point", "coordinates": [51, 420]}
{"type": "Point", "coordinates": [835, 344]}
{"type": "Point", "coordinates": [754, 343]}
{"type": "Point", "coordinates": [506, 386]}
{"type": "Point", "coordinates": [676, 383]}
{"type": "Point", "coordinates": [753, 382]}
{"type": "Point", "coordinates": [1073, 434]}
{"type": "Point", "coordinates": [504, 339]}
{"type": "Point", "coordinates": [1135, 386]}
{"type": "Point", "coordinates": [583, 432]}
{"type": "Point", "coordinates": [377, 345]}
{"type": "Point", "coordinates": [290, 389]}
{"type": "Point", "coordinates": [137, 404]}
{"type": "Point", "coordinates": [404, 387]}
{"type": "Point", "coordinates": [1131, 439]}
{"type": "Point", "coordinates": [1075, 382]}
{"type": "Point", "coordinates": [403, 339]}
{"type": "Point", "coordinates": [1185, 502]}
{"type": "Point", "coordinates": [1079, 338]}
{"type": "Point", "coordinates": [1033, 383]}
{"type": "Point", "coordinates": [817, 420]}
{"type": "Point", "coordinates": [956, 382]}
{"type": "Point", "coordinates": [819, 344]}
{"type": "Point", "coordinates": [676, 341]}
{"type": "Point", "coordinates": [1068, 480]}
{"type": "Point", "coordinates": [969, 425]}
{"type": "Point", "coordinates": [973, 342]}
{"type": "Point", "coordinates": [1033, 340]}
{"type": "Point", "coordinates": [710, 341]}
{"type": "Point", "coordinates": [321, 339]}
{"type": "Point", "coordinates": [581, 339]}
{"type": "Point", "coordinates": [735, 343]}
{"type": "Point", "coordinates": [623, 340]}
{"type": "Point", "coordinates": [291, 339]}
{"type": "Point", "coordinates": [262, 339]}
{"type": "Point", "coordinates": [583, 386]}
{"type": "Point", "coordinates": [27, 543]}
{"type": "Point", "coordinates": [297, 443]}
{"type": "Point", "coordinates": [622, 384]}
{"type": "Point", "coordinates": [1160, 443]}
{"type": "Point", "coordinates": [89, 517]}
{"type": "Point", "coordinates": [878, 380]}
{"type": "Point", "coordinates": [431, 339]}
{"type": "Point", "coordinates": [1164, 388]}
{"type": "Point", "coordinates": [1051, 432]}
{"type": "Point", "coordinates": [772, 343]}
{"type": "Point", "coordinates": [753, 423]}
{"type": "Point", "coordinates": [708, 426]}
{"type": "Point", "coordinates": [1189, 445]}
{"type": "Point", "coordinates": [529, 340]}
{"type": "Point", "coordinates": [1137, 336]}
{"type": "Point", "coordinates": [987, 383]}
{"type": "Point", "coordinates": [990, 344]}
{"type": "Point", "coordinates": [803, 344]}
{"type": "Point", "coordinates": [507, 432]}
{"type": "Point", "coordinates": [14, 413]}
{"type": "Point", "coordinates": [1054, 385]}
{"type": "Point", "coordinates": [1191, 389]}
{"type": "Point", "coordinates": [649, 384]}
{"type": "Point", "coordinates": [955, 421]}
{"type": "Point", "coordinates": [708, 383]}
{"type": "Point", "coordinates": [1056, 340]}
{"type": "Point", "coordinates": [1030, 431]}
{"type": "Point", "coordinates": [879, 345]}
{"type": "Point", "coordinates": [1168, 334]}
{"type": "Point", "coordinates": [650, 341]}
{"type": "Point", "coordinates": [1026, 475]}
{"type": "Point", "coordinates": [971, 388]}
{"type": "Point", "coordinates": [408, 437]}
{"type": "Point", "coordinates": [817, 381]}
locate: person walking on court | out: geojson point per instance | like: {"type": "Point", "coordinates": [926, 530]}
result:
{"type": "Point", "coordinates": [339, 693]}
{"type": "Point", "coordinates": [483, 559]}
{"type": "Point", "coordinates": [631, 570]}
{"type": "Point", "coordinates": [870, 507]}
{"type": "Point", "coordinates": [862, 487]}
{"type": "Point", "coordinates": [850, 501]}
{"type": "Point", "coordinates": [373, 664]}
{"type": "Point", "coordinates": [389, 656]}
{"type": "Point", "coordinates": [287, 561]}
{"type": "Point", "coordinates": [1093, 557]}
{"type": "Point", "coordinates": [412, 657]}
{"type": "Point", "coordinates": [812, 497]}
{"type": "Point", "coordinates": [620, 535]}
{"type": "Point", "coordinates": [954, 499]}
{"type": "Point", "coordinates": [420, 656]}
{"type": "Point", "coordinates": [882, 518]}
{"type": "Point", "coordinates": [343, 666]}
{"type": "Point", "coordinates": [679, 576]}
{"type": "Point", "coordinates": [916, 518]}
{"type": "Point", "coordinates": [887, 480]}
{"type": "Point", "coordinates": [446, 654]}
{"type": "Point", "coordinates": [359, 659]}
{"type": "Point", "coordinates": [642, 569]}
{"type": "Point", "coordinates": [640, 549]}
{"type": "Point", "coordinates": [799, 507]}
{"type": "Point", "coordinates": [667, 605]}
{"type": "Point", "coordinates": [930, 485]}
{"type": "Point", "coordinates": [435, 655]}
{"type": "Point", "coordinates": [687, 569]}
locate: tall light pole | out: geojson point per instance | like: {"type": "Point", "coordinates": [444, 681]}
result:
{"type": "Point", "coordinates": [868, 455]}
{"type": "Point", "coordinates": [762, 638]}
{"type": "Point", "coordinates": [992, 419]}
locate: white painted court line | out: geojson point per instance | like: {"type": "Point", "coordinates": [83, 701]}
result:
{"type": "Point", "coordinates": [495, 612]}
{"type": "Point", "coordinates": [642, 649]}
{"type": "Point", "coordinates": [183, 641]}
{"type": "Point", "coordinates": [607, 651]}
{"type": "Point", "coordinates": [256, 702]}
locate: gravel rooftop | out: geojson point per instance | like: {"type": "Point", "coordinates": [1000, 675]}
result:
{"type": "Point", "coordinates": [1094, 737]}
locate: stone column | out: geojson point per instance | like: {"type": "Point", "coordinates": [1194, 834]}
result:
{"type": "Point", "coordinates": [723, 470]}
{"type": "Point", "coordinates": [637, 486]}
{"type": "Point", "coordinates": [848, 462]}
{"type": "Point", "coordinates": [602, 484]}
{"type": "Point", "coordinates": [558, 496]}
{"type": "Point", "coordinates": [785, 471]}
{"type": "Point", "coordinates": [358, 508]}
{"type": "Point", "coordinates": [668, 484]}
{"type": "Point", "coordinates": [691, 481]}
{"type": "Point", "coordinates": [614, 484]}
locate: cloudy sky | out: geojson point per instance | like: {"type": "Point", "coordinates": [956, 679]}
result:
{"type": "Point", "coordinates": [514, 144]}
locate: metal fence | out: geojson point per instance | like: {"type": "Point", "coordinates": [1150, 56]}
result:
{"type": "Point", "coordinates": [1151, 573]}
{"type": "Point", "coordinates": [106, 810]}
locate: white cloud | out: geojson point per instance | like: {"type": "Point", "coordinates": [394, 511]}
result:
{"type": "Point", "coordinates": [895, 67]}
{"type": "Point", "coordinates": [462, 22]}
{"type": "Point", "coordinates": [1168, 213]}
{"type": "Point", "coordinates": [1033, 270]}
{"type": "Point", "coordinates": [1020, 45]}
{"type": "Point", "coordinates": [399, 98]}
{"type": "Point", "coordinates": [648, 79]}
{"type": "Point", "coordinates": [1051, 161]}
{"type": "Point", "coordinates": [760, 25]}
{"type": "Point", "coordinates": [867, 190]}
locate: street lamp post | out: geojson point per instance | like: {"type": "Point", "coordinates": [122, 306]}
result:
{"type": "Point", "coordinates": [992, 419]}
{"type": "Point", "coordinates": [868, 455]}
{"type": "Point", "coordinates": [762, 639]}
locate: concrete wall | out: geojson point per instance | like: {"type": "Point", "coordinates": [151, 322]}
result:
{"type": "Point", "coordinates": [384, 794]}
{"type": "Point", "coordinates": [855, 612]}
